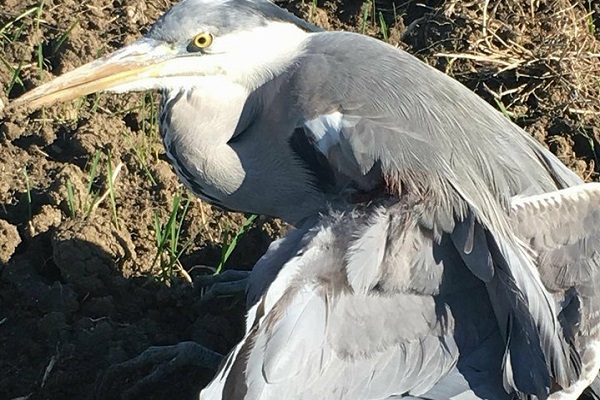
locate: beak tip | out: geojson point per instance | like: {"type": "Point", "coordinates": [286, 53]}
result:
{"type": "Point", "coordinates": [94, 77]}
{"type": "Point", "coordinates": [30, 101]}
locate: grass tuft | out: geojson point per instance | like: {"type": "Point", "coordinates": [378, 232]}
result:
{"type": "Point", "coordinates": [169, 246]}
{"type": "Point", "coordinates": [233, 241]}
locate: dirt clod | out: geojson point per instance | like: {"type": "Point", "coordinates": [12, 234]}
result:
{"type": "Point", "coordinates": [10, 241]}
{"type": "Point", "coordinates": [85, 250]}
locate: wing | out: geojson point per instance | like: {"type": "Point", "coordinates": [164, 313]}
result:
{"type": "Point", "coordinates": [433, 142]}
{"type": "Point", "coordinates": [369, 306]}
{"type": "Point", "coordinates": [563, 230]}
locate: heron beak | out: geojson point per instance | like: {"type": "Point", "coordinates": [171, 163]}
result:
{"type": "Point", "coordinates": [141, 60]}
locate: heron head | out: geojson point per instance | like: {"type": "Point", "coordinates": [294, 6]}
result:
{"type": "Point", "coordinates": [195, 42]}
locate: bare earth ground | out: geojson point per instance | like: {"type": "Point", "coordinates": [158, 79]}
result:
{"type": "Point", "coordinates": [83, 284]}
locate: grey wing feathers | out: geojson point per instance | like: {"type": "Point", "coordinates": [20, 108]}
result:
{"type": "Point", "coordinates": [381, 301]}
{"type": "Point", "coordinates": [562, 229]}
{"type": "Point", "coordinates": [268, 266]}
{"type": "Point", "coordinates": [454, 386]}
{"type": "Point", "coordinates": [521, 305]}
{"type": "Point", "coordinates": [398, 330]}
{"type": "Point", "coordinates": [437, 143]}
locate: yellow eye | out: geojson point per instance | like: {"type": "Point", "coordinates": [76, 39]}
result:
{"type": "Point", "coordinates": [201, 41]}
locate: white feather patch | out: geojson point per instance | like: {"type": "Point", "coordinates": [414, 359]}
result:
{"type": "Point", "coordinates": [252, 57]}
{"type": "Point", "coordinates": [326, 130]}
{"type": "Point", "coordinates": [365, 255]}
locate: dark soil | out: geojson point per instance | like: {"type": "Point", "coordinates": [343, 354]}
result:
{"type": "Point", "coordinates": [80, 289]}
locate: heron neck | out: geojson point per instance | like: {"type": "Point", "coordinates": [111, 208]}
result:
{"type": "Point", "coordinates": [197, 124]}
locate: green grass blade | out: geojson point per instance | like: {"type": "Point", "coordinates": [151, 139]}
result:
{"type": "Point", "coordinates": [233, 243]}
{"type": "Point", "coordinates": [62, 38]}
{"type": "Point", "coordinates": [383, 26]}
{"type": "Point", "coordinates": [11, 23]}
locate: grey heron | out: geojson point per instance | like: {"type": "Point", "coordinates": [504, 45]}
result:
{"type": "Point", "coordinates": [413, 270]}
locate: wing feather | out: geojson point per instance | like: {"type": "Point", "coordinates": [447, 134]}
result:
{"type": "Point", "coordinates": [317, 336]}
{"type": "Point", "coordinates": [478, 224]}
{"type": "Point", "coordinates": [436, 149]}
{"type": "Point", "coordinates": [562, 229]}
{"type": "Point", "coordinates": [438, 145]}
{"type": "Point", "coordinates": [302, 328]}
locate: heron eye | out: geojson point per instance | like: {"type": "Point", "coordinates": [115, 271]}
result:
{"type": "Point", "coordinates": [200, 41]}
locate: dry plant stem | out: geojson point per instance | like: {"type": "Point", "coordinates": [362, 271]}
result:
{"type": "Point", "coordinates": [105, 194]}
{"type": "Point", "coordinates": [184, 274]}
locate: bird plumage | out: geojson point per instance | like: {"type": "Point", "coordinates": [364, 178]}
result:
{"type": "Point", "coordinates": [408, 274]}
{"type": "Point", "coordinates": [425, 328]}
{"type": "Point", "coordinates": [313, 335]}
{"type": "Point", "coordinates": [403, 137]}
{"type": "Point", "coordinates": [434, 143]}
{"type": "Point", "coordinates": [565, 240]}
